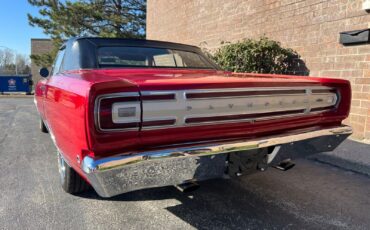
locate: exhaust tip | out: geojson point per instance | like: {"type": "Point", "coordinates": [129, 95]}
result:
{"type": "Point", "coordinates": [285, 165]}
{"type": "Point", "coordinates": [187, 187]}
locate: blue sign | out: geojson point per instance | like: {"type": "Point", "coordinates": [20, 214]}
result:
{"type": "Point", "coordinates": [15, 84]}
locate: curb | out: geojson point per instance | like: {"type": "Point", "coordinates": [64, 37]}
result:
{"type": "Point", "coordinates": [350, 155]}
{"type": "Point", "coordinates": [16, 96]}
{"type": "Point", "coordinates": [342, 163]}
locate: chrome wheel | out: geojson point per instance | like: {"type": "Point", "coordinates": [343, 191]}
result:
{"type": "Point", "coordinates": [61, 168]}
{"type": "Point", "coordinates": [70, 180]}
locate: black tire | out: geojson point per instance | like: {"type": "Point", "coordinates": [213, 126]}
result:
{"type": "Point", "coordinates": [43, 127]}
{"type": "Point", "coordinates": [70, 180]}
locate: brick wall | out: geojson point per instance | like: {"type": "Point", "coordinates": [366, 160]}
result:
{"type": "Point", "coordinates": [39, 46]}
{"type": "Point", "coordinates": [311, 27]}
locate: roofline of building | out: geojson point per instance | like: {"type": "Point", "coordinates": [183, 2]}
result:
{"type": "Point", "coordinates": [40, 39]}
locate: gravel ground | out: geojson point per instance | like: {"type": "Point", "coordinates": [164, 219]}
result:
{"type": "Point", "coordinates": [310, 196]}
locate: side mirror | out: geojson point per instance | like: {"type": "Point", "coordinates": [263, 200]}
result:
{"type": "Point", "coordinates": [44, 72]}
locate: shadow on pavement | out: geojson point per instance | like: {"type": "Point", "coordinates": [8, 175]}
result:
{"type": "Point", "coordinates": [217, 204]}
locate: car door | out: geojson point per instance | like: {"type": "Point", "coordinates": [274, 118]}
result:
{"type": "Point", "coordinates": [45, 86]}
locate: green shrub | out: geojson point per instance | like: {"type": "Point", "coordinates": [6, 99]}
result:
{"type": "Point", "coordinates": [259, 56]}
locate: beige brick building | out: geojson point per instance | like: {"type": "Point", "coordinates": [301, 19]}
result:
{"type": "Point", "coordinates": [39, 46]}
{"type": "Point", "coordinates": [311, 27]}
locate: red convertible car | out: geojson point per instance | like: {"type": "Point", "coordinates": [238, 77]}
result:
{"type": "Point", "coordinates": [133, 114]}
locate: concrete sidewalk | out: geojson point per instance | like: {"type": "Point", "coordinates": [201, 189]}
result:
{"type": "Point", "coordinates": [350, 155]}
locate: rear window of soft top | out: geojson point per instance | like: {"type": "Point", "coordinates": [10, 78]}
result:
{"type": "Point", "coordinates": [122, 56]}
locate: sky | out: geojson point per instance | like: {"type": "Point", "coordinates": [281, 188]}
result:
{"type": "Point", "coordinates": [15, 32]}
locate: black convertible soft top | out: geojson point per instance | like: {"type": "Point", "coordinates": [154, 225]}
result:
{"type": "Point", "coordinates": [80, 53]}
{"type": "Point", "coordinates": [96, 41]}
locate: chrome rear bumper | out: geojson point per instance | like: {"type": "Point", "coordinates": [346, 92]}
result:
{"type": "Point", "coordinates": [115, 175]}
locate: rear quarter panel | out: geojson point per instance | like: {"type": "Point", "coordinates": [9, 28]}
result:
{"type": "Point", "coordinates": [39, 95]}
{"type": "Point", "coordinates": [64, 107]}
{"type": "Point", "coordinates": [69, 108]}
{"type": "Point", "coordinates": [103, 143]}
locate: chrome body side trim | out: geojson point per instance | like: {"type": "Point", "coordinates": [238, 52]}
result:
{"type": "Point", "coordinates": [137, 170]}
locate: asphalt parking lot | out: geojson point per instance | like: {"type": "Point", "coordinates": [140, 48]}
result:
{"type": "Point", "coordinates": [310, 196]}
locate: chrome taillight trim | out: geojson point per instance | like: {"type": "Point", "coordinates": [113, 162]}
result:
{"type": "Point", "coordinates": [108, 96]}
{"type": "Point", "coordinates": [303, 89]}
{"type": "Point", "coordinates": [305, 100]}
{"type": "Point", "coordinates": [240, 94]}
{"type": "Point", "coordinates": [158, 123]}
{"type": "Point", "coordinates": [156, 96]}
{"type": "Point", "coordinates": [166, 116]}
{"type": "Point", "coordinates": [244, 117]}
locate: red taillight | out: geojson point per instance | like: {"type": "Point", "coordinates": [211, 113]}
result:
{"type": "Point", "coordinates": [343, 89]}
{"type": "Point", "coordinates": [123, 112]}
{"type": "Point", "coordinates": [119, 111]}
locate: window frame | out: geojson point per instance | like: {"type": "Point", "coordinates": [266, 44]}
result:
{"type": "Point", "coordinates": [57, 69]}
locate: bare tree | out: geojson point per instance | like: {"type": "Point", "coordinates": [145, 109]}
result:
{"type": "Point", "coordinates": [6, 57]}
{"type": "Point", "coordinates": [13, 63]}
{"type": "Point", "coordinates": [22, 63]}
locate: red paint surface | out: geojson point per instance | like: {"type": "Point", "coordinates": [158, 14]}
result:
{"type": "Point", "coordinates": [67, 105]}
